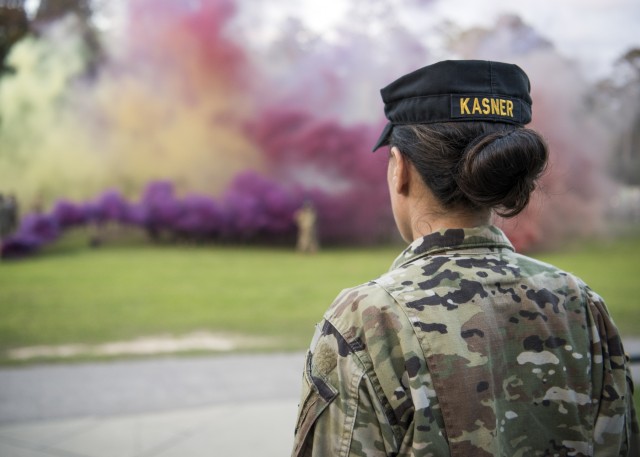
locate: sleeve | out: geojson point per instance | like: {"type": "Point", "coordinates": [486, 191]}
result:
{"type": "Point", "coordinates": [616, 425]}
{"type": "Point", "coordinates": [339, 412]}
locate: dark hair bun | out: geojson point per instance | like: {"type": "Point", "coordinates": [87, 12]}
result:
{"type": "Point", "coordinates": [500, 168]}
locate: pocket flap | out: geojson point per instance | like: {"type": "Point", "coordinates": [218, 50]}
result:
{"type": "Point", "coordinates": [316, 396]}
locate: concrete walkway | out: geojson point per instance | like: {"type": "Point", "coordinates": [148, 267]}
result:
{"type": "Point", "coordinates": [240, 405]}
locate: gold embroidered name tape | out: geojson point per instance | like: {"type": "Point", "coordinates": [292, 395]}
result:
{"type": "Point", "coordinates": [487, 106]}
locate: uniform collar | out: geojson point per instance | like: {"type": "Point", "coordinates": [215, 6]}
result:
{"type": "Point", "coordinates": [485, 236]}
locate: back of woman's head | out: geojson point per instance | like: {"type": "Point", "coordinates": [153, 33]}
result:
{"type": "Point", "coordinates": [474, 165]}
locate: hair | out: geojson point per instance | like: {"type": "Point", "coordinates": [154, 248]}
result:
{"type": "Point", "coordinates": [475, 165]}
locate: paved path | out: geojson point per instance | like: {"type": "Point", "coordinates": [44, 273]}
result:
{"type": "Point", "coordinates": [47, 392]}
{"type": "Point", "coordinates": [241, 405]}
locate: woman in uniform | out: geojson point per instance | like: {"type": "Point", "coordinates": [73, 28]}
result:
{"type": "Point", "coordinates": [464, 347]}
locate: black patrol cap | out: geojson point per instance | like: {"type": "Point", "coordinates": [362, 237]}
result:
{"type": "Point", "coordinates": [457, 90]}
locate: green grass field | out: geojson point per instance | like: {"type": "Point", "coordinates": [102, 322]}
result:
{"type": "Point", "coordinates": [75, 294]}
{"type": "Point", "coordinates": [71, 293]}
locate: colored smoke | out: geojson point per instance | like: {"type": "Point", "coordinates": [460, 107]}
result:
{"type": "Point", "coordinates": [234, 125]}
{"type": "Point", "coordinates": [252, 209]}
{"type": "Point", "coordinates": [572, 194]}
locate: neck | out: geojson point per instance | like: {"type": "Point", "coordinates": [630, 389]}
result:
{"type": "Point", "coordinates": [428, 217]}
{"type": "Point", "coordinates": [416, 210]}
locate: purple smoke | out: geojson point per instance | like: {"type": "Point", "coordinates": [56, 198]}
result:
{"type": "Point", "coordinates": [254, 208]}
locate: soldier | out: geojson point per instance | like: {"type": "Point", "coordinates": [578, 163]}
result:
{"type": "Point", "coordinates": [465, 347]}
{"type": "Point", "coordinates": [4, 218]}
{"type": "Point", "coordinates": [306, 219]}
{"type": "Point", "coordinates": [12, 210]}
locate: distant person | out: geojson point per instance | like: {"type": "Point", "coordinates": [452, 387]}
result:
{"type": "Point", "coordinates": [306, 219]}
{"type": "Point", "coordinates": [11, 205]}
{"type": "Point", "coordinates": [465, 348]}
{"type": "Point", "coordinates": [8, 215]}
{"type": "Point", "coordinates": [4, 218]}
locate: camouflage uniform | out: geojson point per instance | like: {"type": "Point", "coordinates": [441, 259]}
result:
{"type": "Point", "coordinates": [306, 218]}
{"type": "Point", "coordinates": [466, 348]}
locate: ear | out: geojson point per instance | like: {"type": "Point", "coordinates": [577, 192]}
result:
{"type": "Point", "coordinates": [399, 169]}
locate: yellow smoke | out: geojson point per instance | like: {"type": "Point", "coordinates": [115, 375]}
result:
{"type": "Point", "coordinates": [42, 147]}
{"type": "Point", "coordinates": [65, 134]}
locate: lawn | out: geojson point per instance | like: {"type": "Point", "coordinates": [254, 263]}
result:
{"type": "Point", "coordinates": [71, 293]}
{"type": "Point", "coordinates": [76, 294]}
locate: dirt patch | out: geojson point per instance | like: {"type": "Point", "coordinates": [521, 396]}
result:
{"type": "Point", "coordinates": [161, 344]}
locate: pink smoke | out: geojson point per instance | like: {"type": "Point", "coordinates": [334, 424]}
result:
{"type": "Point", "coordinates": [572, 194]}
{"type": "Point", "coordinates": [333, 165]}
{"type": "Point", "coordinates": [313, 155]}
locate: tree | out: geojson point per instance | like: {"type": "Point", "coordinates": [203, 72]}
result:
{"type": "Point", "coordinates": [625, 161]}
{"type": "Point", "coordinates": [52, 10]}
{"type": "Point", "coordinates": [14, 24]}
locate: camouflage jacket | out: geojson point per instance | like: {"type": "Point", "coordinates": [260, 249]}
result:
{"type": "Point", "coordinates": [466, 348]}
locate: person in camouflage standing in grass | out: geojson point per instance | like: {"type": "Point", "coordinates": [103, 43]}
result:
{"type": "Point", "coordinates": [465, 348]}
{"type": "Point", "coordinates": [306, 220]}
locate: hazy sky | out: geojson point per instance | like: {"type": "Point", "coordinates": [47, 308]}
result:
{"type": "Point", "coordinates": [595, 32]}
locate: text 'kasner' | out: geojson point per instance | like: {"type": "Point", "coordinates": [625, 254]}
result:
{"type": "Point", "coordinates": [477, 105]}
